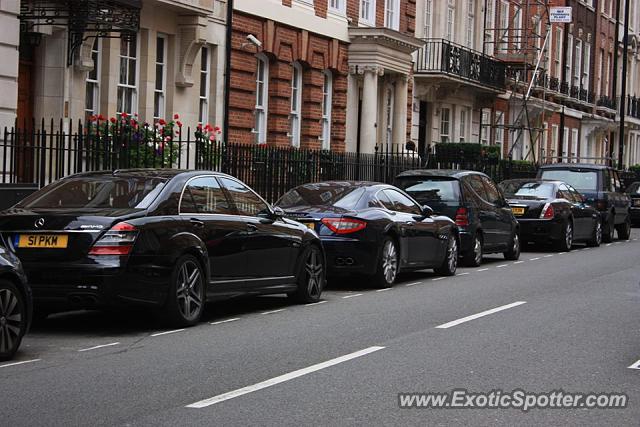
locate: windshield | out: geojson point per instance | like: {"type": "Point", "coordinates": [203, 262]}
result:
{"type": "Point", "coordinates": [431, 190]}
{"type": "Point", "coordinates": [585, 180]}
{"type": "Point", "coordinates": [634, 188]}
{"type": "Point", "coordinates": [340, 196]}
{"type": "Point", "coordinates": [543, 190]}
{"type": "Point", "coordinates": [96, 192]}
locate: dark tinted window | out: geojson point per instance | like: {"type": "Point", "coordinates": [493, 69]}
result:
{"type": "Point", "coordinates": [97, 192]}
{"type": "Point", "coordinates": [247, 202]}
{"type": "Point", "coordinates": [204, 195]}
{"type": "Point", "coordinates": [542, 190]}
{"type": "Point", "coordinates": [493, 194]}
{"type": "Point", "coordinates": [565, 193]}
{"type": "Point", "coordinates": [634, 188]}
{"type": "Point", "coordinates": [341, 196]}
{"type": "Point", "coordinates": [575, 193]}
{"type": "Point", "coordinates": [400, 203]}
{"type": "Point", "coordinates": [585, 180]}
{"type": "Point", "coordinates": [427, 190]}
{"type": "Point", "coordinates": [477, 186]}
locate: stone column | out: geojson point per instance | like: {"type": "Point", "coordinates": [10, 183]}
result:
{"type": "Point", "coordinates": [9, 41]}
{"type": "Point", "coordinates": [400, 112]}
{"type": "Point", "coordinates": [369, 122]}
{"type": "Point", "coordinates": [353, 98]}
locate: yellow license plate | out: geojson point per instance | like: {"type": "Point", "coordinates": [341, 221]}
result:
{"type": "Point", "coordinates": [51, 241]}
{"type": "Point", "coordinates": [517, 211]}
{"type": "Point", "coordinates": [310, 225]}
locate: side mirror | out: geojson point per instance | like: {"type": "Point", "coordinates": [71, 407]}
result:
{"type": "Point", "coordinates": [427, 211]}
{"type": "Point", "coordinates": [278, 212]}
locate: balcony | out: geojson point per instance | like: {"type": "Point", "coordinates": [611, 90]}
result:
{"type": "Point", "coordinates": [444, 58]}
{"type": "Point", "coordinates": [633, 107]}
{"type": "Point", "coordinates": [606, 102]}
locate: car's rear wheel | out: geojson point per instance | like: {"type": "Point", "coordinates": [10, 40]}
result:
{"type": "Point", "coordinates": [185, 303]}
{"type": "Point", "coordinates": [596, 237]}
{"type": "Point", "coordinates": [608, 231]}
{"type": "Point", "coordinates": [513, 253]}
{"type": "Point", "coordinates": [473, 258]}
{"type": "Point", "coordinates": [13, 319]}
{"type": "Point", "coordinates": [311, 277]}
{"type": "Point", "coordinates": [624, 229]}
{"type": "Point", "coordinates": [450, 261]}
{"type": "Point", "coordinates": [566, 238]}
{"type": "Point", "coordinates": [388, 264]}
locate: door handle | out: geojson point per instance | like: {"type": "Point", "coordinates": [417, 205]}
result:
{"type": "Point", "coordinates": [197, 223]}
{"type": "Point", "coordinates": [410, 223]}
{"type": "Point", "coordinates": [252, 227]}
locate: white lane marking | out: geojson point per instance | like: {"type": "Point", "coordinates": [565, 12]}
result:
{"type": "Point", "coordinates": [635, 240]}
{"type": "Point", "coordinates": [167, 332]}
{"type": "Point", "coordinates": [478, 315]}
{"type": "Point", "coordinates": [503, 266]}
{"type": "Point", "coordinates": [383, 290]}
{"type": "Point", "coordinates": [482, 269]}
{"type": "Point", "coordinates": [462, 274]}
{"type": "Point", "coordinates": [100, 346]}
{"type": "Point", "coordinates": [220, 322]}
{"type": "Point", "coordinates": [534, 259]}
{"type": "Point", "coordinates": [274, 311]}
{"type": "Point", "coordinates": [413, 284]}
{"type": "Point", "coordinates": [548, 256]}
{"type": "Point", "coordinates": [608, 244]}
{"type": "Point", "coordinates": [561, 253]}
{"type": "Point", "coordinates": [635, 365]}
{"type": "Point", "coordinates": [282, 378]}
{"type": "Point", "coordinates": [6, 365]}
{"type": "Point", "coordinates": [518, 262]}
{"type": "Point", "coordinates": [351, 296]}
{"type": "Point", "coordinates": [438, 278]}
{"type": "Point", "coordinates": [315, 303]}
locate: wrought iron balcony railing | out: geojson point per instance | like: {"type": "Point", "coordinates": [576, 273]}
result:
{"type": "Point", "coordinates": [440, 56]}
{"type": "Point", "coordinates": [606, 102]}
{"type": "Point", "coordinates": [633, 106]}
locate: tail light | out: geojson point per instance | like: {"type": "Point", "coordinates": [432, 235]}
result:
{"type": "Point", "coordinates": [547, 212]}
{"type": "Point", "coordinates": [601, 205]}
{"type": "Point", "coordinates": [344, 225]}
{"type": "Point", "coordinates": [118, 240]}
{"type": "Point", "coordinates": [462, 217]}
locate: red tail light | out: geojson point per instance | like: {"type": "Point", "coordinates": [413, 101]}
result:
{"type": "Point", "coordinates": [118, 240]}
{"type": "Point", "coordinates": [601, 205]}
{"type": "Point", "coordinates": [344, 225]}
{"type": "Point", "coordinates": [462, 217]}
{"type": "Point", "coordinates": [547, 212]}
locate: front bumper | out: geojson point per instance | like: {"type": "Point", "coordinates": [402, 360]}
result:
{"type": "Point", "coordinates": [347, 256]}
{"type": "Point", "coordinates": [540, 230]}
{"type": "Point", "coordinates": [97, 285]}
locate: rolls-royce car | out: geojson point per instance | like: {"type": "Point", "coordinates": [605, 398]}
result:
{"type": "Point", "coordinates": [373, 229]}
{"type": "Point", "coordinates": [166, 239]}
{"type": "Point", "coordinates": [552, 212]}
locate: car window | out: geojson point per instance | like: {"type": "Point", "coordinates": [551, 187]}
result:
{"type": "Point", "coordinates": [634, 188]}
{"type": "Point", "coordinates": [493, 194]}
{"type": "Point", "coordinates": [617, 184]}
{"type": "Point", "coordinates": [400, 203]}
{"type": "Point", "coordinates": [322, 194]}
{"type": "Point", "coordinates": [247, 202]}
{"type": "Point", "coordinates": [582, 179]}
{"type": "Point", "coordinates": [576, 194]}
{"type": "Point", "coordinates": [205, 196]}
{"type": "Point", "coordinates": [477, 186]}
{"type": "Point", "coordinates": [564, 193]}
{"type": "Point", "coordinates": [427, 190]}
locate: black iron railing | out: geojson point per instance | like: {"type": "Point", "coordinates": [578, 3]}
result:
{"type": "Point", "coordinates": [633, 107]}
{"type": "Point", "coordinates": [444, 57]}
{"type": "Point", "coordinates": [606, 102]}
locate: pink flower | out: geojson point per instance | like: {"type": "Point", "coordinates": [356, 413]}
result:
{"type": "Point", "coordinates": [217, 130]}
{"type": "Point", "coordinates": [167, 139]}
{"type": "Point", "coordinates": [212, 138]}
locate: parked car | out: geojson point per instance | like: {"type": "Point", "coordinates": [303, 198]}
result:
{"type": "Point", "coordinates": [602, 188]}
{"type": "Point", "coordinates": [552, 212]}
{"type": "Point", "coordinates": [634, 211]}
{"type": "Point", "coordinates": [167, 239]}
{"type": "Point", "coordinates": [373, 229]}
{"type": "Point", "coordinates": [15, 303]}
{"type": "Point", "coordinates": [474, 202]}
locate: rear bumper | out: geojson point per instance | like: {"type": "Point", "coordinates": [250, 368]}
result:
{"type": "Point", "coordinates": [347, 256]}
{"type": "Point", "coordinates": [540, 230]}
{"type": "Point", "coordinates": [98, 285]}
{"type": "Point", "coordinates": [634, 214]}
{"type": "Point", "coordinates": [466, 242]}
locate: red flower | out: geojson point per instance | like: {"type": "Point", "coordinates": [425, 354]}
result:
{"type": "Point", "coordinates": [217, 129]}
{"type": "Point", "coordinates": [92, 118]}
{"type": "Point", "coordinates": [179, 123]}
{"type": "Point", "coordinates": [161, 122]}
{"type": "Point", "coordinates": [101, 117]}
{"type": "Point", "coordinates": [199, 127]}
{"type": "Point", "coordinates": [113, 120]}
{"type": "Point", "coordinates": [208, 128]}
{"type": "Point", "coordinates": [124, 115]}
{"type": "Point", "coordinates": [176, 116]}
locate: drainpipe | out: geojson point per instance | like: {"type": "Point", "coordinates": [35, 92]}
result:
{"type": "Point", "coordinates": [623, 84]}
{"type": "Point", "coordinates": [614, 83]}
{"type": "Point", "coordinates": [227, 71]}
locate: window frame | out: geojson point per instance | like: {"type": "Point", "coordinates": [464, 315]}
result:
{"type": "Point", "coordinates": [471, 18]}
{"type": "Point", "coordinates": [261, 111]}
{"type": "Point", "coordinates": [395, 14]}
{"type": "Point", "coordinates": [341, 9]}
{"type": "Point", "coordinates": [203, 100]}
{"type": "Point", "coordinates": [161, 107]}
{"type": "Point", "coordinates": [568, 66]}
{"type": "Point", "coordinates": [251, 190]}
{"type": "Point", "coordinates": [371, 12]}
{"type": "Point", "coordinates": [186, 186]}
{"type": "Point", "coordinates": [327, 109]}
{"type": "Point", "coordinates": [295, 114]}
{"type": "Point", "coordinates": [392, 190]}
{"type": "Point", "coordinates": [127, 87]}
{"type": "Point", "coordinates": [448, 124]}
{"type": "Point", "coordinates": [93, 85]}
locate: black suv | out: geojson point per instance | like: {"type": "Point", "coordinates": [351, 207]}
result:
{"type": "Point", "coordinates": [602, 188]}
{"type": "Point", "coordinates": [634, 192]}
{"type": "Point", "coordinates": [474, 202]}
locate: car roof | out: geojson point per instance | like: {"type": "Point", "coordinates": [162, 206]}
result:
{"type": "Point", "coordinates": [538, 180]}
{"type": "Point", "coordinates": [575, 165]}
{"type": "Point", "coordinates": [165, 173]}
{"type": "Point", "coordinates": [450, 173]}
{"type": "Point", "coordinates": [345, 183]}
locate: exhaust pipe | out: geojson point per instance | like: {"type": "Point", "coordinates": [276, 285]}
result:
{"type": "Point", "coordinates": [349, 261]}
{"type": "Point", "coordinates": [339, 261]}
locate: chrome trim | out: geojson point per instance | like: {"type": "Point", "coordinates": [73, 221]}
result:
{"type": "Point", "coordinates": [52, 231]}
{"type": "Point", "coordinates": [252, 280]}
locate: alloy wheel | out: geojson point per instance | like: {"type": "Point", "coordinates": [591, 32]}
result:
{"type": "Point", "coordinates": [568, 236]}
{"type": "Point", "coordinates": [189, 289]}
{"type": "Point", "coordinates": [516, 244]}
{"type": "Point", "coordinates": [477, 251]}
{"type": "Point", "coordinates": [314, 271]}
{"type": "Point", "coordinates": [598, 233]}
{"type": "Point", "coordinates": [453, 254]}
{"type": "Point", "coordinates": [389, 261]}
{"type": "Point", "coordinates": [10, 320]}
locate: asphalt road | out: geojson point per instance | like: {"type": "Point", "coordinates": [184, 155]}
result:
{"type": "Point", "coordinates": [562, 321]}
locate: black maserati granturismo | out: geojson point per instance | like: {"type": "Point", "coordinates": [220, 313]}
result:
{"type": "Point", "coordinates": [167, 239]}
{"type": "Point", "coordinates": [373, 229]}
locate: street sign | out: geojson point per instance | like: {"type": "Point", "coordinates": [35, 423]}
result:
{"type": "Point", "coordinates": [560, 14]}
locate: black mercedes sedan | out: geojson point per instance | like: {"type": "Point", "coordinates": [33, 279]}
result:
{"type": "Point", "coordinates": [166, 239]}
{"type": "Point", "coordinates": [15, 303]}
{"type": "Point", "coordinates": [373, 229]}
{"type": "Point", "coordinates": [634, 211]}
{"type": "Point", "coordinates": [552, 212]}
